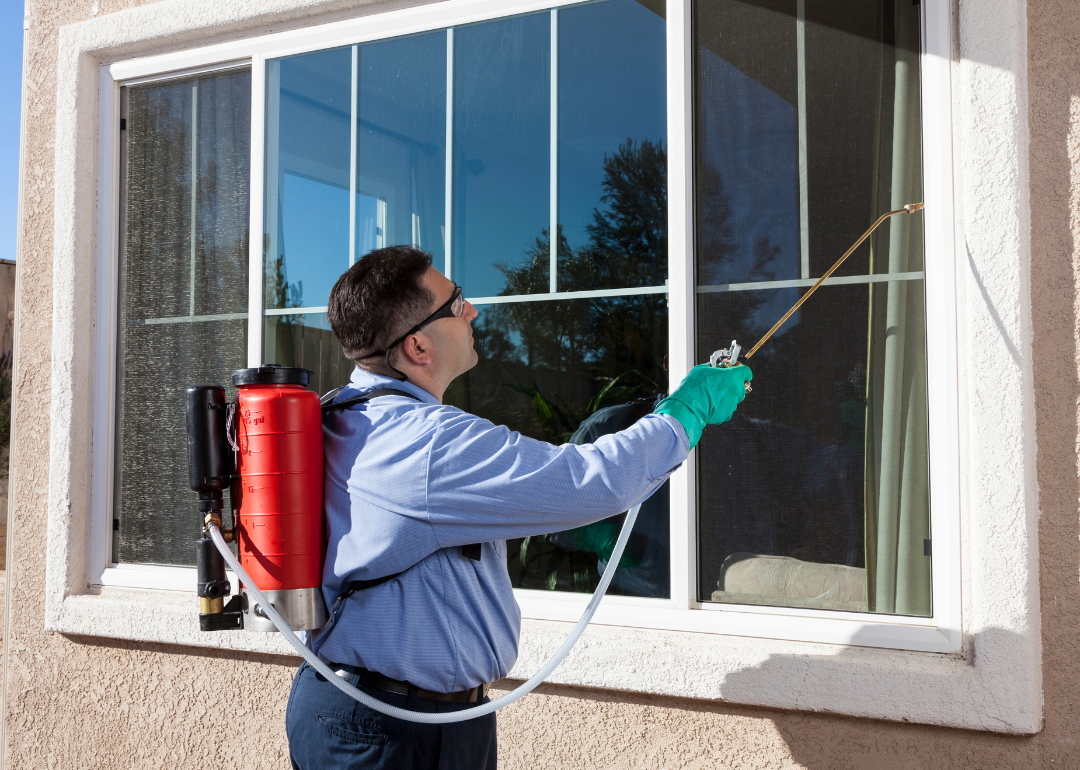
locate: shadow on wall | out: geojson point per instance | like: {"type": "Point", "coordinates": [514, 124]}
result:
{"type": "Point", "coordinates": [603, 728]}
{"type": "Point", "coordinates": [829, 742]}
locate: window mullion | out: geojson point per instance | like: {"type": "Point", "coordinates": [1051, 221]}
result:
{"type": "Point", "coordinates": [804, 194]}
{"type": "Point", "coordinates": [553, 227]}
{"type": "Point", "coordinates": [192, 225]}
{"type": "Point", "coordinates": [681, 284]}
{"type": "Point", "coordinates": [449, 217]}
{"type": "Point", "coordinates": [354, 119]}
{"type": "Point", "coordinates": [256, 242]}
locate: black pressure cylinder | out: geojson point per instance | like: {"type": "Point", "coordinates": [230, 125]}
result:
{"type": "Point", "coordinates": [210, 567]}
{"type": "Point", "coordinates": [210, 462]}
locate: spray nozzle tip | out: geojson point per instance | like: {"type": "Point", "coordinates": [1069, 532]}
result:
{"type": "Point", "coordinates": [911, 208]}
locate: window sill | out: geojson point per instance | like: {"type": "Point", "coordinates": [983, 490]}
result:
{"type": "Point", "coordinates": [919, 687]}
{"type": "Point", "coordinates": [145, 615]}
{"type": "Point", "coordinates": [153, 577]}
{"type": "Point", "coordinates": [758, 622]}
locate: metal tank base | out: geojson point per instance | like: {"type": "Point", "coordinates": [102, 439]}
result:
{"type": "Point", "coordinates": [302, 608]}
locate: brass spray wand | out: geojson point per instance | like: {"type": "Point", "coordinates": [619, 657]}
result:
{"type": "Point", "coordinates": [730, 356]}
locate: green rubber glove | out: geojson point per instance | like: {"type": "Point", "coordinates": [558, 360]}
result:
{"type": "Point", "coordinates": [708, 396]}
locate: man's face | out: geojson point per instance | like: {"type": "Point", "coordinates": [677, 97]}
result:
{"type": "Point", "coordinates": [452, 339]}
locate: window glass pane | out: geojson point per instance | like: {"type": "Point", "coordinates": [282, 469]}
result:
{"type": "Point", "coordinates": [807, 118]}
{"type": "Point", "coordinates": [305, 340]}
{"type": "Point", "coordinates": [502, 146]}
{"type": "Point", "coordinates": [542, 369]}
{"type": "Point", "coordinates": [556, 370]}
{"type": "Point", "coordinates": [401, 192]}
{"type": "Point", "coordinates": [308, 148]}
{"type": "Point", "coordinates": [612, 125]}
{"type": "Point", "coordinates": [182, 295]}
{"type": "Point", "coordinates": [747, 174]}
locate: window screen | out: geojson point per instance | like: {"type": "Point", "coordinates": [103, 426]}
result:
{"type": "Point", "coordinates": [476, 144]}
{"type": "Point", "coordinates": [807, 129]}
{"type": "Point", "coordinates": [185, 158]}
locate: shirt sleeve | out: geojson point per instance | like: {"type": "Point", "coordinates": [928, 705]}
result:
{"type": "Point", "coordinates": [486, 482]}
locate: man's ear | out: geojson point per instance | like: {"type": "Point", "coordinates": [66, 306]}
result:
{"type": "Point", "coordinates": [417, 348]}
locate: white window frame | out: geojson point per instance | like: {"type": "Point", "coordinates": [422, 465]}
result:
{"type": "Point", "coordinates": [682, 612]}
{"type": "Point", "coordinates": [81, 467]}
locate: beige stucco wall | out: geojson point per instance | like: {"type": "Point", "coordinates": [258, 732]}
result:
{"type": "Point", "coordinates": [89, 703]}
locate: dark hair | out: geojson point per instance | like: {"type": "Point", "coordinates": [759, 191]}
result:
{"type": "Point", "coordinates": [378, 299]}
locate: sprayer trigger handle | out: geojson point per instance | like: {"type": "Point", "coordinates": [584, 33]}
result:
{"type": "Point", "coordinates": [726, 356]}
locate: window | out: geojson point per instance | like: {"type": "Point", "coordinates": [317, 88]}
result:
{"type": "Point", "coordinates": [556, 122]}
{"type": "Point", "coordinates": [807, 128]}
{"type": "Point", "coordinates": [980, 403]}
{"type": "Point", "coordinates": [689, 206]}
{"type": "Point", "coordinates": [184, 174]}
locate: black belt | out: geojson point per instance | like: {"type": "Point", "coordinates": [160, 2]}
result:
{"type": "Point", "coordinates": [377, 681]}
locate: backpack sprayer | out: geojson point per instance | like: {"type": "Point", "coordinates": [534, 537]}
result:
{"type": "Point", "coordinates": [266, 448]}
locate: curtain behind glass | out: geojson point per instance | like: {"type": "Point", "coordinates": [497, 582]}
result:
{"type": "Point", "coordinates": [897, 503]}
{"type": "Point", "coordinates": [183, 256]}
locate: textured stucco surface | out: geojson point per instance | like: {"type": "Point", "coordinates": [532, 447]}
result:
{"type": "Point", "coordinates": [81, 702]}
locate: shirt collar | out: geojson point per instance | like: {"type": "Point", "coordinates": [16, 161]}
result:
{"type": "Point", "coordinates": [363, 380]}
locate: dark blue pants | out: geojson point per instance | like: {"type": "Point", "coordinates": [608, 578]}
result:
{"type": "Point", "coordinates": [328, 730]}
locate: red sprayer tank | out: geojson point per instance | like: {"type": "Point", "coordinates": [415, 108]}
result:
{"type": "Point", "coordinates": [280, 527]}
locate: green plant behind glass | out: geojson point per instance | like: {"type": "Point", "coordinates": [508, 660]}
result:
{"type": "Point", "coordinates": [555, 412]}
{"type": "Point", "coordinates": [582, 355]}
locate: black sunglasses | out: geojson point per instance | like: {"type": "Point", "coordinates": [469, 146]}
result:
{"type": "Point", "coordinates": [452, 308]}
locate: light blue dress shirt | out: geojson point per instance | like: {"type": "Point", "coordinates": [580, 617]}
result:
{"type": "Point", "coordinates": [407, 483]}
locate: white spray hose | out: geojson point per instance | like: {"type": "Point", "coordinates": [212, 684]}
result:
{"type": "Point", "coordinates": [452, 716]}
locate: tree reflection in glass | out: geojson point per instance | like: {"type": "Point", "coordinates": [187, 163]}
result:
{"type": "Point", "coordinates": [573, 370]}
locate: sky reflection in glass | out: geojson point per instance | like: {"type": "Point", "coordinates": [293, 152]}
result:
{"type": "Point", "coordinates": [307, 202]}
{"type": "Point", "coordinates": [748, 170]}
{"type": "Point", "coordinates": [402, 145]}
{"type": "Point", "coordinates": [612, 91]}
{"type": "Point", "coordinates": [316, 243]}
{"type": "Point", "coordinates": [502, 144]}
{"type": "Point", "coordinates": [400, 152]}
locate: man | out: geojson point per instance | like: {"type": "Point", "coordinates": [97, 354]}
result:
{"type": "Point", "coordinates": [412, 486]}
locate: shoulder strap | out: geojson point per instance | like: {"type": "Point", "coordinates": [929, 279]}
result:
{"type": "Point", "coordinates": [471, 551]}
{"type": "Point", "coordinates": [363, 398]}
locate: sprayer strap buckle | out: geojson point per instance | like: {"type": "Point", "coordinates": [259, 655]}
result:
{"type": "Point", "coordinates": [377, 681]}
